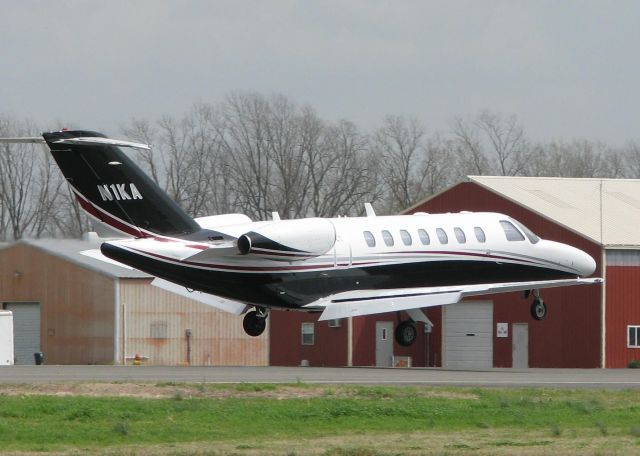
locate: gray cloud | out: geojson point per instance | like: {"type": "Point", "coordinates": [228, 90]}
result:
{"type": "Point", "coordinates": [566, 69]}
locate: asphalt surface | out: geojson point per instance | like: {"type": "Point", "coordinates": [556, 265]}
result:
{"type": "Point", "coordinates": [551, 378]}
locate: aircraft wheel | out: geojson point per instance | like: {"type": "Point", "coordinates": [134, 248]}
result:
{"type": "Point", "coordinates": [406, 333]}
{"type": "Point", "coordinates": [254, 323]}
{"type": "Point", "coordinates": [538, 309]}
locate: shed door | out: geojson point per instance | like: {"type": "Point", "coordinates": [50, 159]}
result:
{"type": "Point", "coordinates": [520, 345]}
{"type": "Point", "coordinates": [468, 335]}
{"type": "Point", "coordinates": [26, 330]}
{"type": "Point", "coordinates": [384, 343]}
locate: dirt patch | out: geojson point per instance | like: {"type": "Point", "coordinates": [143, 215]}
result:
{"type": "Point", "coordinates": [204, 390]}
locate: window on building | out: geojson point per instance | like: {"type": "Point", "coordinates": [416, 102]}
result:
{"type": "Point", "coordinates": [460, 236]}
{"type": "Point", "coordinates": [406, 237]}
{"type": "Point", "coordinates": [442, 236]}
{"type": "Point", "coordinates": [159, 330]}
{"type": "Point", "coordinates": [308, 334]}
{"type": "Point", "coordinates": [388, 239]}
{"type": "Point", "coordinates": [510, 231]}
{"type": "Point", "coordinates": [480, 236]}
{"type": "Point", "coordinates": [369, 238]}
{"type": "Point", "coordinates": [633, 336]}
{"type": "Point", "coordinates": [335, 323]}
{"type": "Point", "coordinates": [424, 237]}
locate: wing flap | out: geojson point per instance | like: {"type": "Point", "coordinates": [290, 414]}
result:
{"type": "Point", "coordinates": [367, 302]}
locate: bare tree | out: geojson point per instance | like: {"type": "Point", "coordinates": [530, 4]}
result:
{"type": "Point", "coordinates": [399, 143]}
{"type": "Point", "coordinates": [343, 173]}
{"type": "Point", "coordinates": [27, 190]}
{"type": "Point", "coordinates": [579, 158]}
{"type": "Point", "coordinates": [471, 158]}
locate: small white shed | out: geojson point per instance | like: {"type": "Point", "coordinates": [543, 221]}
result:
{"type": "Point", "coordinates": [6, 338]}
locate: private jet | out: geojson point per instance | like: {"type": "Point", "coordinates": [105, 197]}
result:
{"type": "Point", "coordinates": [342, 267]}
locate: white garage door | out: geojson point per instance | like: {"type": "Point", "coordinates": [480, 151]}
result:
{"type": "Point", "coordinates": [26, 330]}
{"type": "Point", "coordinates": [468, 335]}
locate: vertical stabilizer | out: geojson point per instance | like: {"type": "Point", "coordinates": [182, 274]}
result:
{"type": "Point", "coordinates": [111, 188]}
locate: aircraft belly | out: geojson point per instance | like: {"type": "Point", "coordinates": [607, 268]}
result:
{"type": "Point", "coordinates": [287, 289]}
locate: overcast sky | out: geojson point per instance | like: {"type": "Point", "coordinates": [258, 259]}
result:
{"type": "Point", "coordinates": [566, 69]}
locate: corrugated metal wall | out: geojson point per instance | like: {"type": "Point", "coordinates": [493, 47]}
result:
{"type": "Point", "coordinates": [331, 344]}
{"type": "Point", "coordinates": [76, 304]}
{"type": "Point", "coordinates": [623, 305]}
{"type": "Point", "coordinates": [154, 324]}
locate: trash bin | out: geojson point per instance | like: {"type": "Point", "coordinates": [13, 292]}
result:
{"type": "Point", "coordinates": [39, 356]}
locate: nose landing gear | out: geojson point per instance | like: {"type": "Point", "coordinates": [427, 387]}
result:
{"type": "Point", "coordinates": [255, 322]}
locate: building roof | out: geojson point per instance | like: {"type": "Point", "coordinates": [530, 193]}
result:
{"type": "Point", "coordinates": [606, 211]}
{"type": "Point", "coordinates": [69, 249]}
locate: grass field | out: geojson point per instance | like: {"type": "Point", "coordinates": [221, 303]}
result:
{"type": "Point", "coordinates": [304, 419]}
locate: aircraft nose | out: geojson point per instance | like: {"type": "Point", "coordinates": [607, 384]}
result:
{"type": "Point", "coordinates": [580, 261]}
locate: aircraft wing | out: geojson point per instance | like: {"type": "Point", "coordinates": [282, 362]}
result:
{"type": "Point", "coordinates": [366, 302]}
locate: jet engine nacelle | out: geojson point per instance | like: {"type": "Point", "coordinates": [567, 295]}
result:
{"type": "Point", "coordinates": [213, 222]}
{"type": "Point", "coordinates": [289, 240]}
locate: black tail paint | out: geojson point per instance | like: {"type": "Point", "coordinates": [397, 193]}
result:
{"type": "Point", "coordinates": [113, 189]}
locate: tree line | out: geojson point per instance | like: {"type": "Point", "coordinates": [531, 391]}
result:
{"type": "Point", "coordinates": [255, 154]}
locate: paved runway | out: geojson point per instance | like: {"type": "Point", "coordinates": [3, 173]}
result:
{"type": "Point", "coordinates": [552, 378]}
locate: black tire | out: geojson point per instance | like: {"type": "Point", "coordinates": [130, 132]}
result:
{"type": "Point", "coordinates": [406, 333]}
{"type": "Point", "coordinates": [254, 324]}
{"type": "Point", "coordinates": [538, 309]}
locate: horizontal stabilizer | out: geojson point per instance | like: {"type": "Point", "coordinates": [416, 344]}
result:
{"type": "Point", "coordinates": [218, 302]}
{"type": "Point", "coordinates": [96, 254]}
{"type": "Point", "coordinates": [367, 302]}
{"type": "Point", "coordinates": [102, 142]}
{"type": "Point", "coordinates": [27, 140]}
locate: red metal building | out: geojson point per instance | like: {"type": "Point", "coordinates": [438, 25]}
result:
{"type": "Point", "coordinates": [586, 326]}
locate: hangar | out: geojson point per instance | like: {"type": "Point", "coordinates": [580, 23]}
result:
{"type": "Point", "coordinates": [78, 310]}
{"type": "Point", "coordinates": [586, 327]}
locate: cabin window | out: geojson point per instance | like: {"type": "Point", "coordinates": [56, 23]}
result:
{"type": "Point", "coordinates": [424, 236]}
{"type": "Point", "coordinates": [460, 236]}
{"type": "Point", "coordinates": [633, 336]}
{"type": "Point", "coordinates": [510, 231]}
{"type": "Point", "coordinates": [480, 236]}
{"type": "Point", "coordinates": [308, 334]}
{"type": "Point", "coordinates": [442, 236]}
{"type": "Point", "coordinates": [371, 240]}
{"type": "Point", "coordinates": [406, 237]}
{"type": "Point", "coordinates": [388, 239]}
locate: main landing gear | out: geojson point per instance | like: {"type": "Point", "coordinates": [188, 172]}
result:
{"type": "Point", "coordinates": [255, 321]}
{"type": "Point", "coordinates": [406, 333]}
{"type": "Point", "coordinates": [538, 307]}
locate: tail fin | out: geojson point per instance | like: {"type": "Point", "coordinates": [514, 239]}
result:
{"type": "Point", "coordinates": [111, 188]}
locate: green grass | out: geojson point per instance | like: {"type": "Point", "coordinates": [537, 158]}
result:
{"type": "Point", "coordinates": [53, 423]}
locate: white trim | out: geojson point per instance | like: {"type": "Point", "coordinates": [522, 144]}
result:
{"type": "Point", "coordinates": [116, 323]}
{"type": "Point", "coordinates": [350, 342]}
{"type": "Point", "coordinates": [637, 328]}
{"type": "Point", "coordinates": [603, 311]}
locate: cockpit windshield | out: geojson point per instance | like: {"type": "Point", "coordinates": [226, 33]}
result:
{"type": "Point", "coordinates": [527, 232]}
